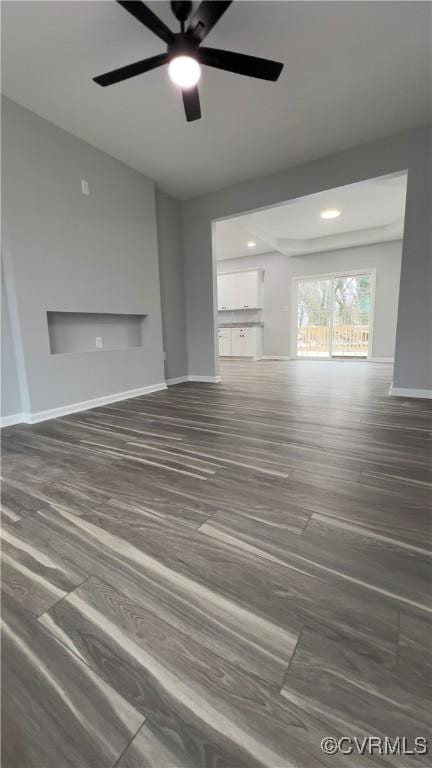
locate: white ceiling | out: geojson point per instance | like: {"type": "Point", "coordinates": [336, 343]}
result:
{"type": "Point", "coordinates": [371, 211]}
{"type": "Point", "coordinates": [354, 71]}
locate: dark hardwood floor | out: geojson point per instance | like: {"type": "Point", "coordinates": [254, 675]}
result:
{"type": "Point", "coordinates": [219, 575]}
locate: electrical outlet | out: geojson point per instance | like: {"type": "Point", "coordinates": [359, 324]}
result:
{"type": "Point", "coordinates": [99, 342]}
{"type": "Point", "coordinates": [85, 189]}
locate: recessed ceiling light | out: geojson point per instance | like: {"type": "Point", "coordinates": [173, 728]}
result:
{"type": "Point", "coordinates": [184, 71]}
{"type": "Point", "coordinates": [251, 243]}
{"type": "Point", "coordinates": [332, 213]}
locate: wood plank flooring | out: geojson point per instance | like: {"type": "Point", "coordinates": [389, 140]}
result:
{"type": "Point", "coordinates": [219, 576]}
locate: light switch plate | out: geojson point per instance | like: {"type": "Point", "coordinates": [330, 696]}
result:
{"type": "Point", "coordinates": [85, 189]}
{"type": "Point", "coordinates": [99, 342]}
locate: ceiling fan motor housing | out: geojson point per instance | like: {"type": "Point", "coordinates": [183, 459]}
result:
{"type": "Point", "coordinates": [182, 46]}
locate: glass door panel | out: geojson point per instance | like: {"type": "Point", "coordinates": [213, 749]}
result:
{"type": "Point", "coordinates": [351, 316]}
{"type": "Point", "coordinates": [314, 318]}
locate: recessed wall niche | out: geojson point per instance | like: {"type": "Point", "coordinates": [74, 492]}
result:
{"type": "Point", "coordinates": [93, 331]}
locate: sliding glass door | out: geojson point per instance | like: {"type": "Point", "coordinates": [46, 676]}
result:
{"type": "Point", "coordinates": [314, 302]}
{"type": "Point", "coordinates": [334, 316]}
{"type": "Point", "coordinates": [351, 315]}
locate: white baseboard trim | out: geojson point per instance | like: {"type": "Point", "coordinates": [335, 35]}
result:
{"type": "Point", "coordinates": [275, 357]}
{"type": "Point", "coordinates": [206, 379]}
{"type": "Point", "coordinates": [178, 380]}
{"type": "Point", "coordinates": [85, 405]}
{"type": "Point", "coordinates": [381, 359]}
{"type": "Point", "coordinates": [9, 421]}
{"type": "Point", "coordinates": [409, 392]}
{"type": "Point", "coordinates": [203, 379]}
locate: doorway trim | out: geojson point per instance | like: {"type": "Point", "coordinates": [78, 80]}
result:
{"type": "Point", "coordinates": [328, 275]}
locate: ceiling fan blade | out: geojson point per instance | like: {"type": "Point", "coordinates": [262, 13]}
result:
{"type": "Point", "coordinates": [240, 63]}
{"type": "Point", "coordinates": [148, 18]}
{"type": "Point", "coordinates": [204, 19]}
{"type": "Point", "coordinates": [131, 70]}
{"type": "Point", "coordinates": [192, 105]}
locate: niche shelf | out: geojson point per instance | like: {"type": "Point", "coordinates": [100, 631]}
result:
{"type": "Point", "coordinates": [71, 332]}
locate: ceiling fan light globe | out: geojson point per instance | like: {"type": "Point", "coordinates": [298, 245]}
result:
{"type": "Point", "coordinates": [184, 71]}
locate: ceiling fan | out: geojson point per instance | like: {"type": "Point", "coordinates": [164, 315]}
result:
{"type": "Point", "coordinates": [185, 54]}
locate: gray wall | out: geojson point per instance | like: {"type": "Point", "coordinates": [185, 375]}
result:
{"type": "Point", "coordinates": [10, 393]}
{"type": "Point", "coordinates": [408, 151]}
{"type": "Point", "coordinates": [171, 269]}
{"type": "Point", "coordinates": [277, 290]}
{"type": "Point", "coordinates": [68, 252]}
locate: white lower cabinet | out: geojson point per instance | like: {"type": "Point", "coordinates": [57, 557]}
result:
{"type": "Point", "coordinates": [240, 342]}
{"type": "Point", "coordinates": [224, 338]}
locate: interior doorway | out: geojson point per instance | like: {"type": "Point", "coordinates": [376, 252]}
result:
{"type": "Point", "coordinates": [316, 277]}
{"type": "Point", "coordinates": [333, 315]}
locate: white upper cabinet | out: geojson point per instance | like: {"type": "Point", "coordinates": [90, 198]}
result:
{"type": "Point", "coordinates": [226, 291]}
{"type": "Point", "coordinates": [248, 293]}
{"type": "Point", "coordinates": [240, 290]}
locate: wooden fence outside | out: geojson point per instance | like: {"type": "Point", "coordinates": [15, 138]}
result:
{"type": "Point", "coordinates": [348, 341]}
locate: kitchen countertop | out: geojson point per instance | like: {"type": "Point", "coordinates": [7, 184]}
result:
{"type": "Point", "coordinates": [250, 324]}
